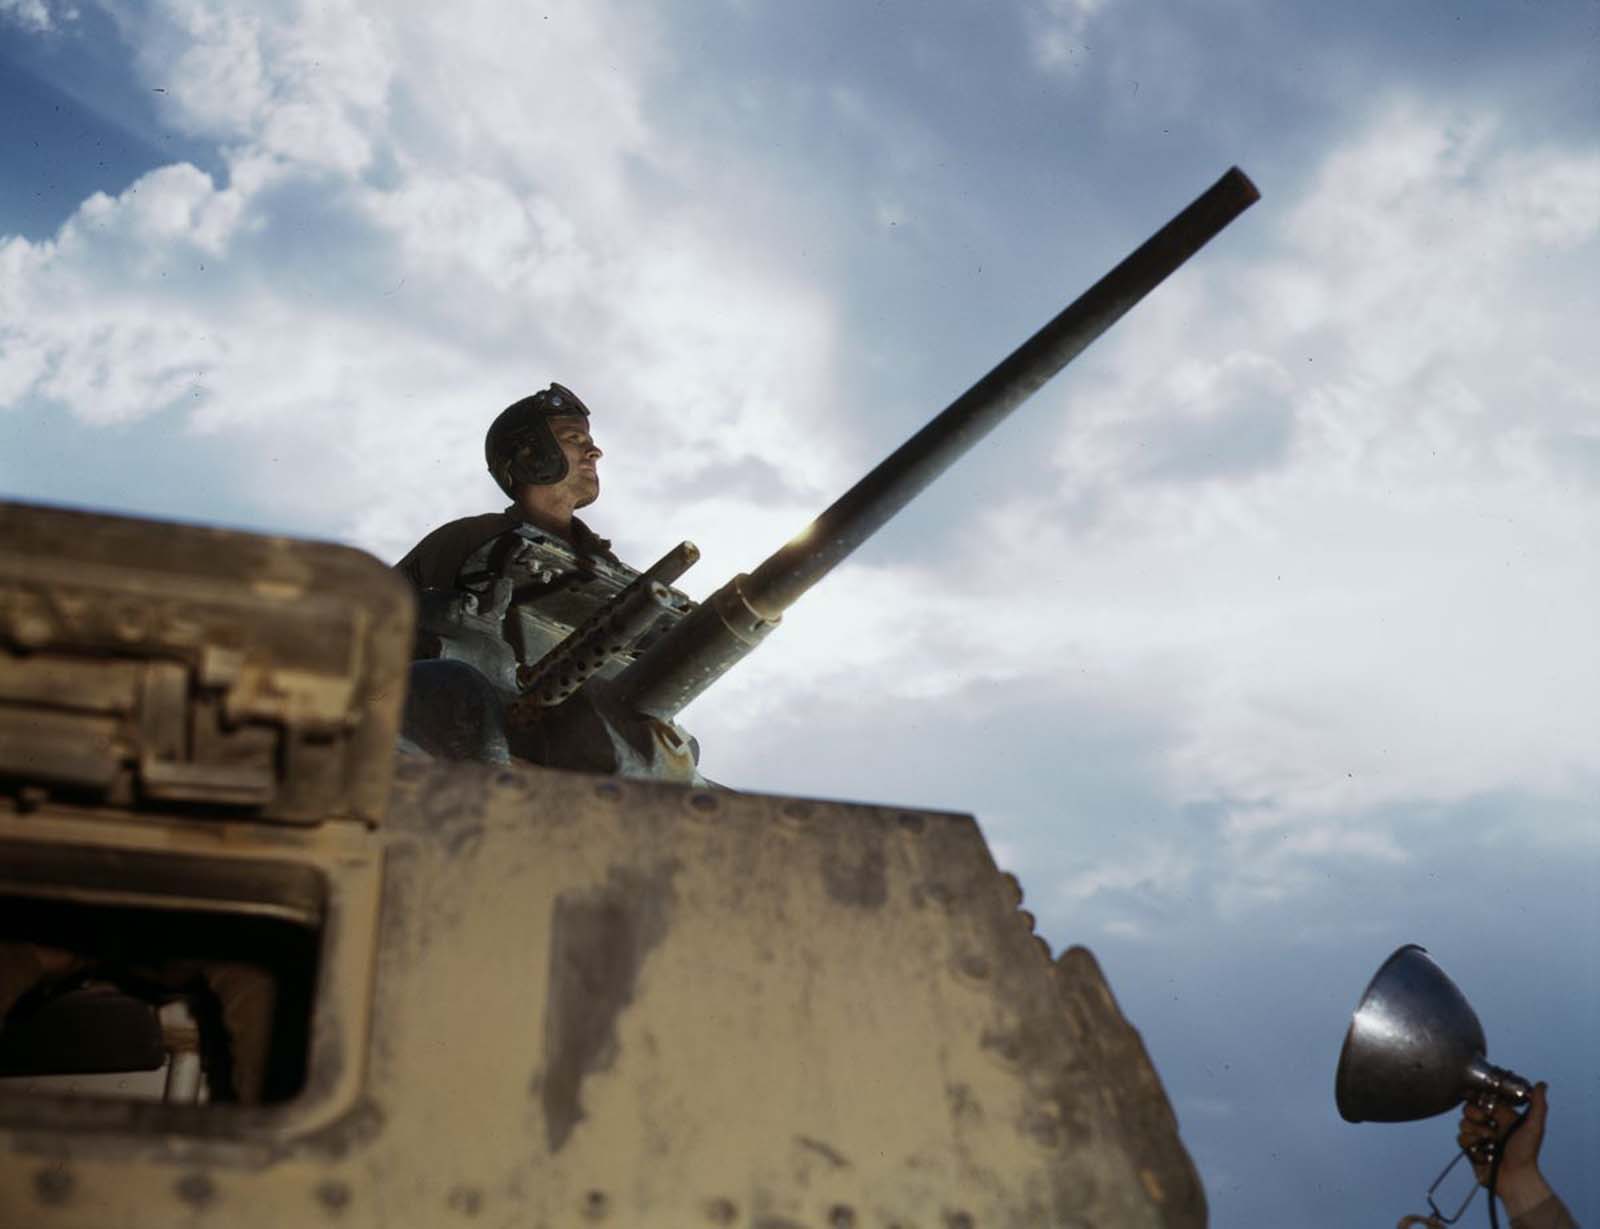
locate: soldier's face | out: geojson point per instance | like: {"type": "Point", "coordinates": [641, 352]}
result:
{"type": "Point", "coordinates": [582, 483]}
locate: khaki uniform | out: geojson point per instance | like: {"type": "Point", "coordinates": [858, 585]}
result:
{"type": "Point", "coordinates": [436, 561]}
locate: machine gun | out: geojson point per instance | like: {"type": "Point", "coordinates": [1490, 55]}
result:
{"type": "Point", "coordinates": [570, 708]}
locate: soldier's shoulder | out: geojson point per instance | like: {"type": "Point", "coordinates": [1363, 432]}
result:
{"type": "Point", "coordinates": [434, 561]}
{"type": "Point", "coordinates": [489, 523]}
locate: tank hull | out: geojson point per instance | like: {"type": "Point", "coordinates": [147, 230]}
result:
{"type": "Point", "coordinates": [555, 999]}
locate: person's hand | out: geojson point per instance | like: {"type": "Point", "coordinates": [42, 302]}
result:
{"type": "Point", "coordinates": [1520, 1185]}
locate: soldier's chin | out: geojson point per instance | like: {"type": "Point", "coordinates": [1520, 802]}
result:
{"type": "Point", "coordinates": [592, 494]}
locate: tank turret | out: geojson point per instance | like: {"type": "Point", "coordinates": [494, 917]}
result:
{"type": "Point", "coordinates": [260, 970]}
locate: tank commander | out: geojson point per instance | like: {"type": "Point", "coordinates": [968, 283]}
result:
{"type": "Point", "coordinates": [498, 591]}
{"type": "Point", "coordinates": [541, 454]}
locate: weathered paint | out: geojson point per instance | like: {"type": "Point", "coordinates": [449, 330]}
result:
{"type": "Point", "coordinates": [598, 944]}
{"type": "Point", "coordinates": [602, 1002]}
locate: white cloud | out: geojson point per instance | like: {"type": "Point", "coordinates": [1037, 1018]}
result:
{"type": "Point", "coordinates": [424, 215]}
{"type": "Point", "coordinates": [1057, 29]}
{"type": "Point", "coordinates": [1395, 607]}
{"type": "Point", "coordinates": [36, 15]}
{"type": "Point", "coordinates": [300, 81]}
{"type": "Point", "coordinates": [1378, 594]}
{"type": "Point", "coordinates": [1154, 870]}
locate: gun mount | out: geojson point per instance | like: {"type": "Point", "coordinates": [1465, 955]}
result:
{"type": "Point", "coordinates": [694, 647]}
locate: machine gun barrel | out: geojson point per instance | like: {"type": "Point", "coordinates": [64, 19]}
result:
{"type": "Point", "coordinates": [607, 632]}
{"type": "Point", "coordinates": [728, 625]}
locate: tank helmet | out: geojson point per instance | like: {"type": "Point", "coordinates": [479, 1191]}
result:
{"type": "Point", "coordinates": [520, 447]}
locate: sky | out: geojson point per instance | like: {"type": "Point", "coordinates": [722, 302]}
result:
{"type": "Point", "coordinates": [1260, 641]}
